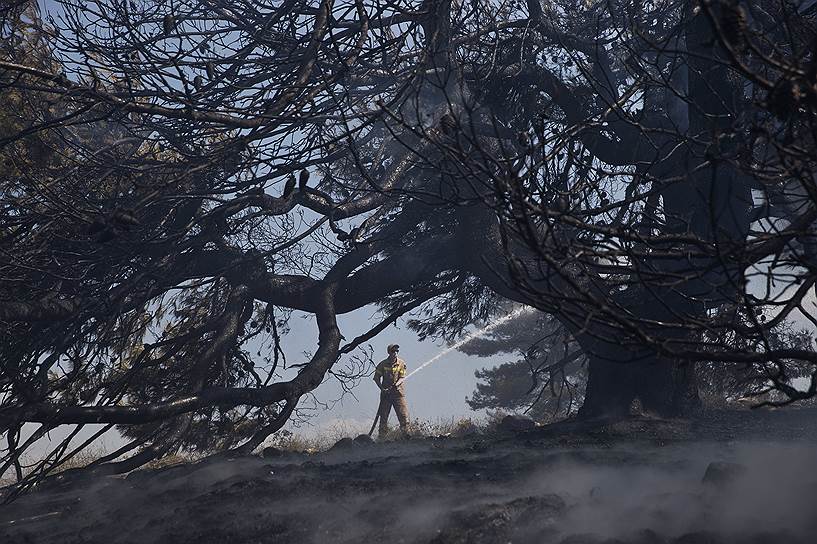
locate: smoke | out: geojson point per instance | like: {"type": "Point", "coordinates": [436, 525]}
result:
{"type": "Point", "coordinates": [550, 495]}
{"type": "Point", "coordinates": [471, 336]}
{"type": "Point", "coordinates": [664, 492]}
{"type": "Point", "coordinates": [446, 492]}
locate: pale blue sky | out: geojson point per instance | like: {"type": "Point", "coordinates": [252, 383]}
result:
{"type": "Point", "coordinates": [439, 391]}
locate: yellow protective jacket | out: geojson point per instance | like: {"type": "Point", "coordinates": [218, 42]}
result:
{"type": "Point", "coordinates": [391, 372]}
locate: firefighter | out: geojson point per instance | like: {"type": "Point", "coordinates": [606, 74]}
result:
{"type": "Point", "coordinates": [389, 375]}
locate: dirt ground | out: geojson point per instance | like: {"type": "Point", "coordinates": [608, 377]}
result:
{"type": "Point", "coordinates": [728, 477]}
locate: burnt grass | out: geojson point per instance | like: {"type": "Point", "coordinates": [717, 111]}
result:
{"type": "Point", "coordinates": [725, 477]}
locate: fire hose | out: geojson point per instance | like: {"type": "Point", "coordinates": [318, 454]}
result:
{"type": "Point", "coordinates": [379, 406]}
{"type": "Point", "coordinates": [456, 345]}
{"type": "Point", "coordinates": [376, 417]}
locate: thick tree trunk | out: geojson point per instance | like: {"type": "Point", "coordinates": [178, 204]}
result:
{"type": "Point", "coordinates": [664, 387]}
{"type": "Point", "coordinates": [610, 389]}
{"type": "Point", "coordinates": [668, 388]}
{"type": "Point", "coordinates": [620, 373]}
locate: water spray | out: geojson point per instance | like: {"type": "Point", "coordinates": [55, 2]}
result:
{"type": "Point", "coordinates": [471, 336]}
{"type": "Point", "coordinates": [458, 344]}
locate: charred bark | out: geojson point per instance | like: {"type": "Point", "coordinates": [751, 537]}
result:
{"type": "Point", "coordinates": [616, 379]}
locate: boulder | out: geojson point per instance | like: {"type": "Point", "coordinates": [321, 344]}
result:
{"type": "Point", "coordinates": [345, 443]}
{"type": "Point", "coordinates": [516, 424]}
{"type": "Point", "coordinates": [364, 439]}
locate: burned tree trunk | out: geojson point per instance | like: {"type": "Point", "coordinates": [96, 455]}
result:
{"type": "Point", "coordinates": [664, 387]}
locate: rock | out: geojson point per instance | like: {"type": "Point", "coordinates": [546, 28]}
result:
{"type": "Point", "coordinates": [502, 522]}
{"type": "Point", "coordinates": [720, 473]}
{"type": "Point", "coordinates": [516, 424]}
{"type": "Point", "coordinates": [271, 452]}
{"type": "Point", "coordinates": [345, 443]}
{"type": "Point", "coordinates": [364, 439]}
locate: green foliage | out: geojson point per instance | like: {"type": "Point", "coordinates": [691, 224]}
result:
{"type": "Point", "coordinates": [517, 387]}
{"type": "Point", "coordinates": [523, 386]}
{"type": "Point", "coordinates": [547, 378]}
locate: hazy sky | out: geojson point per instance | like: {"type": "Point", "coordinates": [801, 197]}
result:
{"type": "Point", "coordinates": [439, 391]}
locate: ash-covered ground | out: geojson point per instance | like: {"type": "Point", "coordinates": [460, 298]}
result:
{"type": "Point", "coordinates": [728, 477]}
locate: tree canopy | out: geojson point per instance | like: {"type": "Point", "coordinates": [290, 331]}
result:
{"type": "Point", "coordinates": [179, 176]}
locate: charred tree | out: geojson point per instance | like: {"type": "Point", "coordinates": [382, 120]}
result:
{"type": "Point", "coordinates": [173, 192]}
